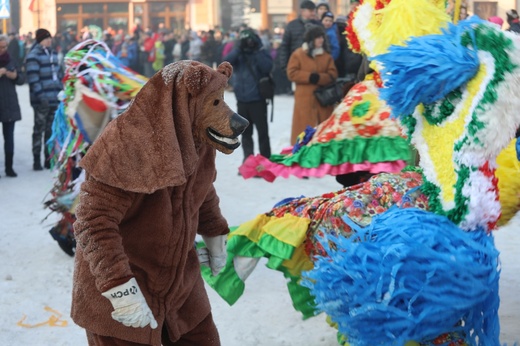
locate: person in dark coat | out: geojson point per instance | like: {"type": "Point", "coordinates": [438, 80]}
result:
{"type": "Point", "coordinates": [44, 74]}
{"type": "Point", "coordinates": [185, 46]}
{"type": "Point", "coordinates": [513, 21]}
{"type": "Point", "coordinates": [250, 63]}
{"type": "Point", "coordinates": [210, 49]}
{"type": "Point", "coordinates": [293, 36]}
{"type": "Point", "coordinates": [10, 76]}
{"type": "Point", "coordinates": [14, 49]}
{"type": "Point", "coordinates": [169, 42]}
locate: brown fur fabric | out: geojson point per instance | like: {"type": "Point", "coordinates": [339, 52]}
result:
{"type": "Point", "coordinates": [151, 145]}
{"type": "Point", "coordinates": [148, 192]}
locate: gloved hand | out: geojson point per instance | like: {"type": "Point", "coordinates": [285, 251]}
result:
{"type": "Point", "coordinates": [214, 255]}
{"type": "Point", "coordinates": [130, 307]}
{"type": "Point", "coordinates": [314, 78]}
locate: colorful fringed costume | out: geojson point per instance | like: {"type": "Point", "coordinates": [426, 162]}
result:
{"type": "Point", "coordinates": [358, 136]}
{"type": "Point", "coordinates": [97, 88]}
{"type": "Point", "coordinates": [407, 257]}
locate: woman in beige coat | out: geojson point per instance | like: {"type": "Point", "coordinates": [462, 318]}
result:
{"type": "Point", "coordinates": [310, 66]}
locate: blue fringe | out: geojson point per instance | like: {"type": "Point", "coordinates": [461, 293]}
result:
{"type": "Point", "coordinates": [427, 68]}
{"type": "Point", "coordinates": [409, 275]}
{"type": "Point", "coordinates": [60, 131]}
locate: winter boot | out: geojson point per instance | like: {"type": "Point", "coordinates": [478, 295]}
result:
{"type": "Point", "coordinates": [37, 166]}
{"type": "Point", "coordinates": [9, 166]}
{"type": "Point", "coordinates": [47, 163]}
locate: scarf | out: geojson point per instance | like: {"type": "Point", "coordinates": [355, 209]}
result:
{"type": "Point", "coordinates": [5, 59]}
{"type": "Point", "coordinates": [314, 51]}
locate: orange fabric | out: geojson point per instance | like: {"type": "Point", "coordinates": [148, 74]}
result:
{"type": "Point", "coordinates": [307, 110]}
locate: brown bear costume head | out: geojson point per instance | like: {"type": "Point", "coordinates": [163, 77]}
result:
{"type": "Point", "coordinates": [154, 143]}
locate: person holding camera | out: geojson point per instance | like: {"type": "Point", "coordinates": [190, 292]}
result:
{"type": "Point", "coordinates": [250, 63]}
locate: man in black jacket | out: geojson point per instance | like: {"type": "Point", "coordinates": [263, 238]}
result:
{"type": "Point", "coordinates": [251, 62]}
{"type": "Point", "coordinates": [293, 35]}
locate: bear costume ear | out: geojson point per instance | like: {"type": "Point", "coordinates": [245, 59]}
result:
{"type": "Point", "coordinates": [225, 68]}
{"type": "Point", "coordinates": [196, 77]}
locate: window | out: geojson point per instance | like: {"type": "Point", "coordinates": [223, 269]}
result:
{"type": "Point", "coordinates": [117, 8]}
{"type": "Point", "coordinates": [68, 9]}
{"type": "Point", "coordinates": [93, 8]}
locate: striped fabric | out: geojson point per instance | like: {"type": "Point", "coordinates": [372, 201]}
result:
{"type": "Point", "coordinates": [40, 64]}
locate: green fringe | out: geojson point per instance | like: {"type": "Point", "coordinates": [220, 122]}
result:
{"type": "Point", "coordinates": [357, 150]}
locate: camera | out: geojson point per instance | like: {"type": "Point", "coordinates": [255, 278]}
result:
{"type": "Point", "coordinates": [248, 41]}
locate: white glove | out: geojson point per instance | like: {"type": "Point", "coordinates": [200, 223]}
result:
{"type": "Point", "coordinates": [130, 307]}
{"type": "Point", "coordinates": [214, 255]}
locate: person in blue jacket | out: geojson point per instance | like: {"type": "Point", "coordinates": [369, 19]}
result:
{"type": "Point", "coordinates": [251, 62]}
{"type": "Point", "coordinates": [327, 19]}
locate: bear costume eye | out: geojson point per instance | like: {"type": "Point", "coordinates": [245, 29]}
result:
{"type": "Point", "coordinates": [216, 102]}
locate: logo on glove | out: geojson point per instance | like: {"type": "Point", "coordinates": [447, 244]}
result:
{"type": "Point", "coordinates": [127, 292]}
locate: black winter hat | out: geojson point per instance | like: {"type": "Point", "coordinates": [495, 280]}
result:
{"type": "Point", "coordinates": [42, 34]}
{"type": "Point", "coordinates": [511, 15]}
{"type": "Point", "coordinates": [308, 4]}
{"type": "Point", "coordinates": [312, 32]}
{"type": "Point", "coordinates": [327, 14]}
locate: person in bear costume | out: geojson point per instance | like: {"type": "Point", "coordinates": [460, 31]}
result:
{"type": "Point", "coordinates": [148, 192]}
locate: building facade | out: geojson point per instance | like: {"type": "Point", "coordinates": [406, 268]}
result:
{"type": "Point", "coordinates": [179, 15]}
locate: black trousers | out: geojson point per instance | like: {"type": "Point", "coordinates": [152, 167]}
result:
{"type": "Point", "coordinates": [256, 114]}
{"type": "Point", "coordinates": [43, 119]}
{"type": "Point", "coordinates": [8, 131]}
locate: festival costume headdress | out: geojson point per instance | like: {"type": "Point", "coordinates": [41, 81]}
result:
{"type": "Point", "coordinates": [408, 273]}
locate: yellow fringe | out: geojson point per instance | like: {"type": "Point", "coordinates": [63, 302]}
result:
{"type": "Point", "coordinates": [402, 19]}
{"type": "Point", "coordinates": [508, 174]}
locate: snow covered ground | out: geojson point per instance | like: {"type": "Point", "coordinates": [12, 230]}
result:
{"type": "Point", "coordinates": [35, 273]}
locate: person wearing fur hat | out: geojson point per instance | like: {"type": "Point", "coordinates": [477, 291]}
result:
{"type": "Point", "coordinates": [44, 75]}
{"type": "Point", "coordinates": [513, 21]}
{"type": "Point", "coordinates": [310, 66]}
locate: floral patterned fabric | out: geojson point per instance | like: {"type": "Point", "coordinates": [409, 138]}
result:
{"type": "Point", "coordinates": [359, 202]}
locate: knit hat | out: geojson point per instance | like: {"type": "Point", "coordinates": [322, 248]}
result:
{"type": "Point", "coordinates": [327, 14]}
{"type": "Point", "coordinates": [308, 4]}
{"type": "Point", "coordinates": [42, 34]}
{"type": "Point", "coordinates": [497, 20]}
{"type": "Point", "coordinates": [312, 32]}
{"type": "Point", "coordinates": [511, 15]}
{"type": "Point", "coordinates": [341, 19]}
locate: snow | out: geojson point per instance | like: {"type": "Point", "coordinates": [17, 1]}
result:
{"type": "Point", "coordinates": [35, 273]}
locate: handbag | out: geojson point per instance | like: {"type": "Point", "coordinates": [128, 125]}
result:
{"type": "Point", "coordinates": [266, 87]}
{"type": "Point", "coordinates": [331, 94]}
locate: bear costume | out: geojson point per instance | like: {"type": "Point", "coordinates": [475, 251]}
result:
{"type": "Point", "coordinates": [148, 192]}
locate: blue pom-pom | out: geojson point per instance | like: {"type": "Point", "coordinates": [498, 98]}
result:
{"type": "Point", "coordinates": [409, 275]}
{"type": "Point", "coordinates": [303, 138]}
{"type": "Point", "coordinates": [427, 69]}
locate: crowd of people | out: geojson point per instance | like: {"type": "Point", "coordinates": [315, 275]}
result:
{"type": "Point", "coordinates": [311, 51]}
